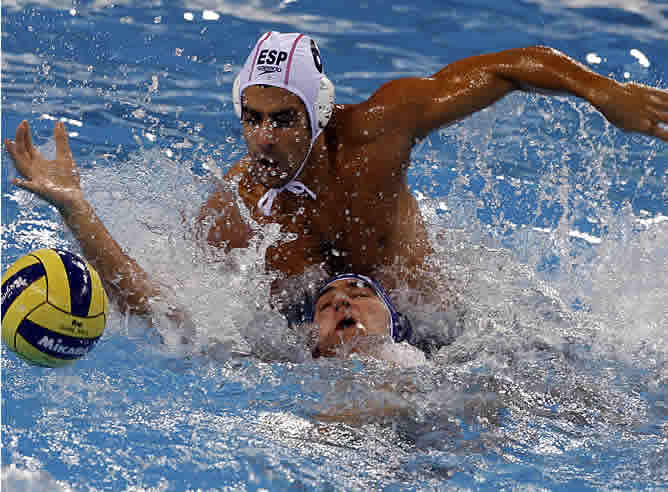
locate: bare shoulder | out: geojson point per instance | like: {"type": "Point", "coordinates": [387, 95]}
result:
{"type": "Point", "coordinates": [393, 110]}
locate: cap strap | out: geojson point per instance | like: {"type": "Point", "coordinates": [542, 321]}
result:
{"type": "Point", "coordinates": [296, 187]}
{"type": "Point", "coordinates": [293, 186]}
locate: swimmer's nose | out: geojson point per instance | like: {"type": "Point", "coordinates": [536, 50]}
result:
{"type": "Point", "coordinates": [265, 136]}
{"type": "Point", "coordinates": [341, 301]}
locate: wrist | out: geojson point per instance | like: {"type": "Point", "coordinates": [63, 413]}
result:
{"type": "Point", "coordinates": [599, 90]}
{"type": "Point", "coordinates": [75, 208]}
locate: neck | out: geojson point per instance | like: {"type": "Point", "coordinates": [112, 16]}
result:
{"type": "Point", "coordinates": [295, 186]}
{"type": "Point", "coordinates": [310, 172]}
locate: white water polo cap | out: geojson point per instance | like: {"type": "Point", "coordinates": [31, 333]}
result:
{"type": "Point", "coordinates": [290, 61]}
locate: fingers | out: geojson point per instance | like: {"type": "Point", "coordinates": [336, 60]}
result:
{"type": "Point", "coordinates": [63, 150]}
{"type": "Point", "coordinates": [30, 148]}
{"type": "Point", "coordinates": [661, 104]}
{"type": "Point", "coordinates": [19, 140]}
{"type": "Point", "coordinates": [659, 108]}
{"type": "Point", "coordinates": [26, 185]}
{"type": "Point", "coordinates": [22, 143]}
{"type": "Point", "coordinates": [656, 110]}
{"type": "Point", "coordinates": [660, 96]}
{"type": "Point", "coordinates": [16, 148]}
{"type": "Point", "coordinates": [11, 148]}
{"type": "Point", "coordinates": [658, 124]}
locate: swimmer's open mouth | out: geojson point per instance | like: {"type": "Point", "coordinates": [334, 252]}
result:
{"type": "Point", "coordinates": [340, 326]}
{"type": "Point", "coordinates": [345, 323]}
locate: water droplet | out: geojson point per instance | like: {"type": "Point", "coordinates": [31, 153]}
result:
{"type": "Point", "coordinates": [640, 56]}
{"type": "Point", "coordinates": [210, 15]}
{"type": "Point", "coordinates": [593, 58]}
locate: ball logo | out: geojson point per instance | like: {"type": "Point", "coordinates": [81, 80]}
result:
{"type": "Point", "coordinates": [268, 61]}
{"type": "Point", "coordinates": [17, 285]}
{"type": "Point", "coordinates": [58, 347]}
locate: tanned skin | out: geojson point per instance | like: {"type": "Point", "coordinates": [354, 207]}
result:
{"type": "Point", "coordinates": [364, 219]}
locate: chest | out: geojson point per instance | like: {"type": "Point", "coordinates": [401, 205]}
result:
{"type": "Point", "coordinates": [352, 222]}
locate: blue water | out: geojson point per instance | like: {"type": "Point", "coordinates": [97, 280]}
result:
{"type": "Point", "coordinates": [552, 224]}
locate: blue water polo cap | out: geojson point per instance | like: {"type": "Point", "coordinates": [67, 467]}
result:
{"type": "Point", "coordinates": [400, 326]}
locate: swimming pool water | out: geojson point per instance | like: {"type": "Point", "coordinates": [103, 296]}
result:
{"type": "Point", "coordinates": [551, 223]}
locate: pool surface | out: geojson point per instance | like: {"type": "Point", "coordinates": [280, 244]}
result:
{"type": "Point", "coordinates": [552, 224]}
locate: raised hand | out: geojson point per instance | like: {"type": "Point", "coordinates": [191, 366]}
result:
{"type": "Point", "coordinates": [635, 107]}
{"type": "Point", "coordinates": [55, 181]}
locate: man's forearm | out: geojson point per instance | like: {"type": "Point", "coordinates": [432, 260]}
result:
{"type": "Point", "coordinates": [547, 69]}
{"type": "Point", "coordinates": [124, 279]}
{"type": "Point", "coordinates": [468, 85]}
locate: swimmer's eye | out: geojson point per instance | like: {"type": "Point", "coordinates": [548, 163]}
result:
{"type": "Point", "coordinates": [324, 306]}
{"type": "Point", "coordinates": [282, 119]}
{"type": "Point", "coordinates": [285, 119]}
{"type": "Point", "coordinates": [251, 117]}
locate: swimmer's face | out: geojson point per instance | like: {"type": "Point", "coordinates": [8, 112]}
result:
{"type": "Point", "coordinates": [276, 128]}
{"type": "Point", "coordinates": [348, 309]}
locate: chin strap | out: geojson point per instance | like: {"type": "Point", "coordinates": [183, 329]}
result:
{"type": "Point", "coordinates": [267, 200]}
{"type": "Point", "coordinates": [293, 186]}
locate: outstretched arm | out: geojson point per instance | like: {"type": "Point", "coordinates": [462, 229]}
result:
{"type": "Point", "coordinates": [417, 106]}
{"type": "Point", "coordinates": [57, 182]}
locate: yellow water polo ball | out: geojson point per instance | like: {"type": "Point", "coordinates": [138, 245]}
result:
{"type": "Point", "coordinates": [54, 307]}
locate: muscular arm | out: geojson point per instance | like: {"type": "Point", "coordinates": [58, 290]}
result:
{"type": "Point", "coordinates": [57, 182]}
{"type": "Point", "coordinates": [414, 107]}
{"type": "Point", "coordinates": [124, 279]}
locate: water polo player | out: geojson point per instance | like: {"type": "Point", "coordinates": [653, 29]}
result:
{"type": "Point", "coordinates": [332, 176]}
{"type": "Point", "coordinates": [350, 305]}
{"type": "Point", "coordinates": [352, 313]}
